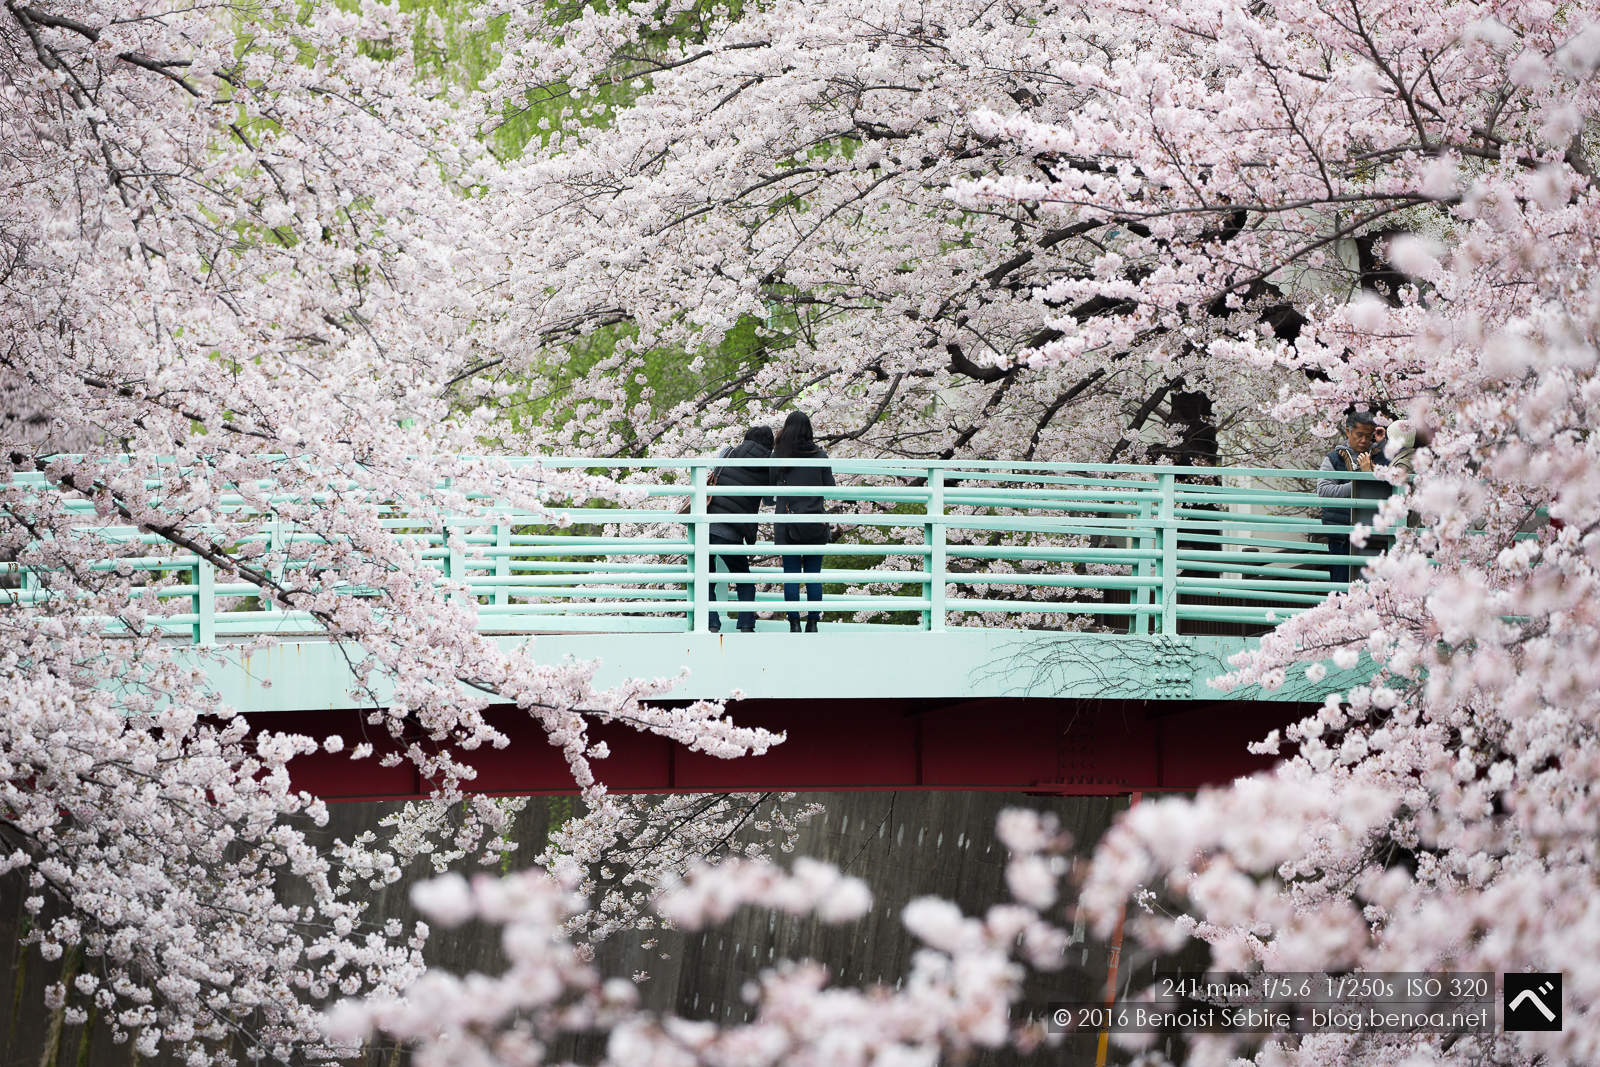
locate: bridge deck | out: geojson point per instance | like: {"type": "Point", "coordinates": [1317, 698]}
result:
{"type": "Point", "coordinates": [964, 664]}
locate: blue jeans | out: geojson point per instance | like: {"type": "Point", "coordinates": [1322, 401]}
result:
{"type": "Point", "coordinates": [743, 591]}
{"type": "Point", "coordinates": [791, 590]}
{"type": "Point", "coordinates": [1338, 545]}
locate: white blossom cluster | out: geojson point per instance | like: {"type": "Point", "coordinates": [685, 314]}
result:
{"type": "Point", "coordinates": [627, 849]}
{"type": "Point", "coordinates": [445, 832]}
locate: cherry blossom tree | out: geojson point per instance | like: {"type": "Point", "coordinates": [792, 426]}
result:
{"type": "Point", "coordinates": [1441, 817]}
{"type": "Point", "coordinates": [769, 195]}
{"type": "Point", "coordinates": [237, 250]}
{"type": "Point", "coordinates": [271, 250]}
{"type": "Point", "coordinates": [1409, 187]}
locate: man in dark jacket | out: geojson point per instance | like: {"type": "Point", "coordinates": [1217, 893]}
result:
{"type": "Point", "coordinates": [757, 444]}
{"type": "Point", "coordinates": [1358, 453]}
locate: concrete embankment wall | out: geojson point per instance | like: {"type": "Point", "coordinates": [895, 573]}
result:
{"type": "Point", "coordinates": [905, 845]}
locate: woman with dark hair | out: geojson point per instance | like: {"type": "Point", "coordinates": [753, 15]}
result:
{"type": "Point", "coordinates": [757, 444]}
{"type": "Point", "coordinates": [795, 441]}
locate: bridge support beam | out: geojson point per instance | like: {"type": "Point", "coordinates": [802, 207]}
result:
{"type": "Point", "coordinates": [1064, 747]}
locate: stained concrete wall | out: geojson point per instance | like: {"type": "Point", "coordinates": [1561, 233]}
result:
{"type": "Point", "coordinates": [904, 845]}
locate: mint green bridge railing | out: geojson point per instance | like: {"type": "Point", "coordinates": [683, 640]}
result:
{"type": "Point", "coordinates": [1133, 549]}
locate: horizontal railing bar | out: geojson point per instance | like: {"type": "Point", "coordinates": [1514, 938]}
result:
{"type": "Point", "coordinates": [540, 541]}
{"type": "Point", "coordinates": [1311, 476]}
{"type": "Point", "coordinates": [1065, 581]}
{"type": "Point", "coordinates": [768, 602]}
{"type": "Point", "coordinates": [539, 565]}
{"type": "Point", "coordinates": [554, 547]}
{"type": "Point", "coordinates": [773, 576]}
{"type": "Point", "coordinates": [146, 563]}
{"type": "Point", "coordinates": [1230, 613]}
{"type": "Point", "coordinates": [1262, 593]}
{"type": "Point", "coordinates": [1239, 520]}
{"type": "Point", "coordinates": [717, 548]}
{"type": "Point", "coordinates": [1125, 491]}
{"type": "Point", "coordinates": [838, 603]}
{"type": "Point", "coordinates": [608, 607]}
{"type": "Point", "coordinates": [590, 624]}
{"type": "Point", "coordinates": [514, 581]}
{"type": "Point", "coordinates": [1248, 541]}
{"type": "Point", "coordinates": [1046, 553]}
{"type": "Point", "coordinates": [958, 477]}
{"type": "Point", "coordinates": [1291, 572]}
{"type": "Point", "coordinates": [236, 589]}
{"type": "Point", "coordinates": [1077, 528]}
{"type": "Point", "coordinates": [1194, 531]}
{"type": "Point", "coordinates": [565, 592]}
{"type": "Point", "coordinates": [962, 502]}
{"type": "Point", "coordinates": [833, 548]}
{"type": "Point", "coordinates": [676, 518]}
{"type": "Point", "coordinates": [1280, 557]}
{"type": "Point", "coordinates": [1234, 498]}
{"type": "Point", "coordinates": [1071, 607]}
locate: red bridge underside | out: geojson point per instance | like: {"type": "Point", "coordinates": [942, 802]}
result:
{"type": "Point", "coordinates": [1084, 747]}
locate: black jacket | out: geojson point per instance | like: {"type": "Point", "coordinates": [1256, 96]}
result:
{"type": "Point", "coordinates": [1334, 488]}
{"type": "Point", "coordinates": [802, 533]}
{"type": "Point", "coordinates": [741, 478]}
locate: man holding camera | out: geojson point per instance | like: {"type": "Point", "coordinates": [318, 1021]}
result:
{"type": "Point", "coordinates": [1362, 448]}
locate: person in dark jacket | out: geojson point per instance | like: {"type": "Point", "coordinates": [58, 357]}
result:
{"type": "Point", "coordinates": [795, 441]}
{"type": "Point", "coordinates": [757, 444]}
{"type": "Point", "coordinates": [1361, 434]}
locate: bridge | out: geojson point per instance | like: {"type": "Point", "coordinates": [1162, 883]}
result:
{"type": "Point", "coordinates": [1018, 626]}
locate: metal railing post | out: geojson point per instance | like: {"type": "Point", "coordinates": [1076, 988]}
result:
{"type": "Point", "coordinates": [502, 562]}
{"type": "Point", "coordinates": [699, 553]}
{"type": "Point", "coordinates": [205, 603]}
{"type": "Point", "coordinates": [933, 537]}
{"type": "Point", "coordinates": [455, 562]}
{"type": "Point", "coordinates": [275, 566]}
{"type": "Point", "coordinates": [1144, 567]}
{"type": "Point", "coordinates": [1169, 557]}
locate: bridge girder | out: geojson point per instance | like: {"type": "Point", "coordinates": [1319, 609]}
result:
{"type": "Point", "coordinates": [1056, 746]}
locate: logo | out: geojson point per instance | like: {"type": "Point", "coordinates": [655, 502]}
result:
{"type": "Point", "coordinates": [1533, 1001]}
